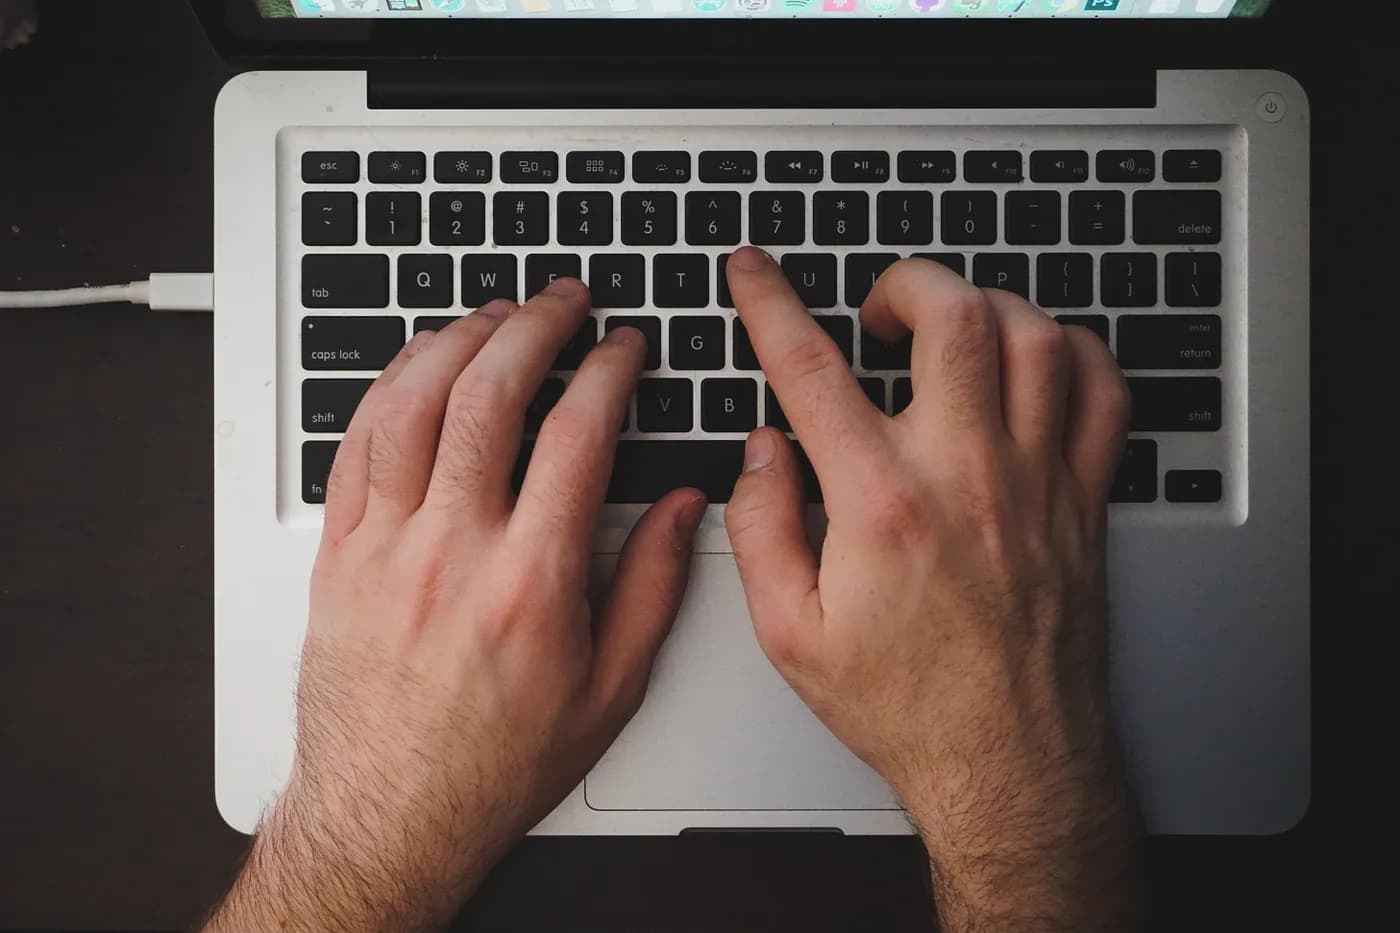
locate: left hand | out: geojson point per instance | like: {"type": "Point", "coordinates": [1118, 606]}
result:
{"type": "Point", "coordinates": [456, 681]}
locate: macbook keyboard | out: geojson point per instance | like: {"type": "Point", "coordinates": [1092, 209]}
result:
{"type": "Point", "coordinates": [1124, 240]}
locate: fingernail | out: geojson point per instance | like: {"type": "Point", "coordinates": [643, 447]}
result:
{"type": "Point", "coordinates": [688, 521]}
{"type": "Point", "coordinates": [419, 342]}
{"type": "Point", "coordinates": [758, 451]}
{"type": "Point", "coordinates": [625, 335]}
{"type": "Point", "coordinates": [498, 308]}
{"type": "Point", "coordinates": [564, 288]}
{"type": "Point", "coordinates": [750, 259]}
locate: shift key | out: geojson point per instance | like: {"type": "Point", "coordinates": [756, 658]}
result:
{"type": "Point", "coordinates": [345, 280]}
{"type": "Point", "coordinates": [1176, 217]}
{"type": "Point", "coordinates": [1187, 403]}
{"type": "Point", "coordinates": [357, 343]}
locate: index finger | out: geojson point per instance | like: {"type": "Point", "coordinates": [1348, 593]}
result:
{"type": "Point", "coordinates": [815, 386]}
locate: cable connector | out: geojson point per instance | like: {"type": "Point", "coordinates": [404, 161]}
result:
{"type": "Point", "coordinates": [163, 291]}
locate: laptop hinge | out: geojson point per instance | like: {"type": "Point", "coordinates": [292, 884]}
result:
{"type": "Point", "coordinates": [524, 84]}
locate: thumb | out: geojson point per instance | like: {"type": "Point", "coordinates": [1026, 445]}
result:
{"type": "Point", "coordinates": [767, 528]}
{"type": "Point", "coordinates": [645, 596]}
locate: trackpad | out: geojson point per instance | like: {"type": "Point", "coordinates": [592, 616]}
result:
{"type": "Point", "coordinates": [720, 730]}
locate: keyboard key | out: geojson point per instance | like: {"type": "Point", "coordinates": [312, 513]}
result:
{"type": "Point", "coordinates": [392, 218]}
{"type": "Point", "coordinates": [1183, 403]}
{"type": "Point", "coordinates": [874, 390]}
{"type": "Point", "coordinates": [875, 354]}
{"type": "Point", "coordinates": [904, 218]}
{"type": "Point", "coordinates": [1193, 485]}
{"type": "Point", "coordinates": [1033, 218]}
{"type": "Point", "coordinates": [722, 296]}
{"type": "Point", "coordinates": [777, 218]}
{"type": "Point", "coordinates": [729, 167]}
{"type": "Point", "coordinates": [969, 218]}
{"type": "Point", "coordinates": [1193, 280]}
{"type": "Point", "coordinates": [327, 405]}
{"type": "Point", "coordinates": [618, 280]}
{"type": "Point", "coordinates": [744, 357]}
{"type": "Point", "coordinates": [648, 325]}
{"type": "Point", "coordinates": [1098, 323]}
{"type": "Point", "coordinates": [696, 342]}
{"type": "Point", "coordinates": [316, 460]}
{"type": "Point", "coordinates": [1009, 271]}
{"type": "Point", "coordinates": [665, 404]}
{"type": "Point", "coordinates": [661, 167]}
{"type": "Point", "coordinates": [681, 280]}
{"type": "Point", "coordinates": [584, 339]}
{"type": "Point", "coordinates": [1064, 280]}
{"type": "Point", "coordinates": [397, 168]}
{"type": "Point", "coordinates": [425, 281]}
{"type": "Point", "coordinates": [1127, 166]}
{"type": "Point", "coordinates": [457, 218]}
{"type": "Point", "coordinates": [350, 342]}
{"type": "Point", "coordinates": [601, 168]}
{"type": "Point", "coordinates": [841, 218]}
{"type": "Point", "coordinates": [1128, 280]}
{"type": "Point", "coordinates": [813, 277]}
{"type": "Point", "coordinates": [433, 322]}
{"type": "Point", "coordinates": [901, 394]}
{"type": "Point", "coordinates": [1097, 218]}
{"type": "Point", "coordinates": [649, 218]}
{"type": "Point", "coordinates": [773, 415]}
{"type": "Point", "coordinates": [328, 168]}
{"type": "Point", "coordinates": [955, 261]}
{"type": "Point", "coordinates": [345, 280]}
{"type": "Point", "coordinates": [928, 167]}
{"type": "Point", "coordinates": [862, 270]}
{"type": "Point", "coordinates": [549, 394]}
{"type": "Point", "coordinates": [529, 168]}
{"type": "Point", "coordinates": [728, 406]}
{"type": "Point", "coordinates": [1187, 165]}
{"type": "Point", "coordinates": [991, 168]}
{"type": "Point", "coordinates": [486, 276]}
{"type": "Point", "coordinates": [520, 218]}
{"type": "Point", "coordinates": [644, 471]}
{"type": "Point", "coordinates": [1183, 217]}
{"type": "Point", "coordinates": [860, 166]}
{"type": "Point", "coordinates": [841, 329]}
{"type": "Point", "coordinates": [712, 218]}
{"type": "Point", "coordinates": [1060, 166]}
{"type": "Point", "coordinates": [329, 218]}
{"type": "Point", "coordinates": [472, 168]}
{"type": "Point", "coordinates": [1136, 480]}
{"type": "Point", "coordinates": [1169, 341]}
{"type": "Point", "coordinates": [793, 167]}
{"type": "Point", "coordinates": [585, 218]}
{"type": "Point", "coordinates": [541, 269]}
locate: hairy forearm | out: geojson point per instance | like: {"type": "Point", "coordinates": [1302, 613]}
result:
{"type": "Point", "coordinates": [1035, 861]}
{"type": "Point", "coordinates": [309, 871]}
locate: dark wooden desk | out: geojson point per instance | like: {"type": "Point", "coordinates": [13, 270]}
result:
{"type": "Point", "coordinates": [107, 818]}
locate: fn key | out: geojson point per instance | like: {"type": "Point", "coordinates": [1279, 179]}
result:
{"type": "Point", "coordinates": [316, 460]}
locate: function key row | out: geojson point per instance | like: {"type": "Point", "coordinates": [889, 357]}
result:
{"type": "Point", "coordinates": [1118, 166]}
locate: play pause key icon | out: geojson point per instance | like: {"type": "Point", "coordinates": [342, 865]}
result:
{"type": "Point", "coordinates": [928, 167]}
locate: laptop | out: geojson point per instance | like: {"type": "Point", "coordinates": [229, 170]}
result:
{"type": "Point", "coordinates": [1129, 165]}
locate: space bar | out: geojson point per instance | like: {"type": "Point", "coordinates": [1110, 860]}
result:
{"type": "Point", "coordinates": [644, 471]}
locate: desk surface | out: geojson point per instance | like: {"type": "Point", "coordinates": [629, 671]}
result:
{"type": "Point", "coordinates": [106, 558]}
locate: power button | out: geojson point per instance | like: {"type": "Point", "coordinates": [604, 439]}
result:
{"type": "Point", "coordinates": [1272, 108]}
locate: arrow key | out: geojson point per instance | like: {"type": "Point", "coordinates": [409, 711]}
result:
{"type": "Point", "coordinates": [1193, 486]}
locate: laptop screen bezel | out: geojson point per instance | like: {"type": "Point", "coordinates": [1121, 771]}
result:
{"type": "Point", "coordinates": [240, 34]}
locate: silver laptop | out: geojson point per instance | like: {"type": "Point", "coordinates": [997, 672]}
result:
{"type": "Point", "coordinates": [399, 162]}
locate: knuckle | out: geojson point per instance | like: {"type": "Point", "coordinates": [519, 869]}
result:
{"type": "Point", "coordinates": [572, 429]}
{"type": "Point", "coordinates": [898, 514]}
{"type": "Point", "coordinates": [384, 456]}
{"type": "Point", "coordinates": [1042, 342]}
{"type": "Point", "coordinates": [812, 357]}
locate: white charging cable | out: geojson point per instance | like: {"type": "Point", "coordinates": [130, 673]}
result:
{"type": "Point", "coordinates": [163, 291]}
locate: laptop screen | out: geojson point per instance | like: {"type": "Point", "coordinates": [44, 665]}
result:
{"type": "Point", "coordinates": [768, 9]}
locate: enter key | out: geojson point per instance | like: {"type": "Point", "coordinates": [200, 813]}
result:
{"type": "Point", "coordinates": [1169, 341]}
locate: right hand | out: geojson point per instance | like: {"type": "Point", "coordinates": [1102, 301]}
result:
{"type": "Point", "coordinates": [952, 630]}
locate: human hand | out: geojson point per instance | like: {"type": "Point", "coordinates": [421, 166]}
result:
{"type": "Point", "coordinates": [456, 680]}
{"type": "Point", "coordinates": [952, 630]}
